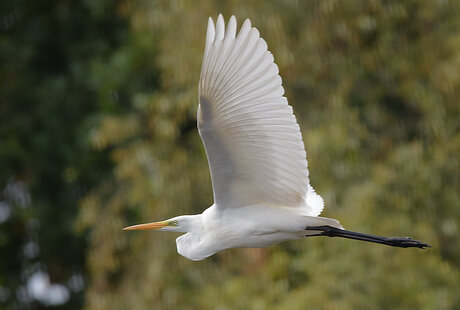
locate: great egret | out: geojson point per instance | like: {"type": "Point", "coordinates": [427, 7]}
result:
{"type": "Point", "coordinates": [262, 194]}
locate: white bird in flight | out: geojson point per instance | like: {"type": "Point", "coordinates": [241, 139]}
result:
{"type": "Point", "coordinates": [257, 160]}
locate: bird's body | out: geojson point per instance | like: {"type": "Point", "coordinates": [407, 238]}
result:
{"type": "Point", "coordinates": [252, 226]}
{"type": "Point", "coordinates": [256, 155]}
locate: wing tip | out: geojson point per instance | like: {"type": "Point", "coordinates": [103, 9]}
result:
{"type": "Point", "coordinates": [231, 28]}
{"type": "Point", "coordinates": [220, 28]}
{"type": "Point", "coordinates": [217, 31]}
{"type": "Point", "coordinates": [247, 23]}
{"type": "Point", "coordinates": [220, 19]}
{"type": "Point", "coordinates": [210, 34]}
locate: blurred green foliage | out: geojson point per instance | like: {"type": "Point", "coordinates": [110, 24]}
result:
{"type": "Point", "coordinates": [98, 109]}
{"type": "Point", "coordinates": [50, 99]}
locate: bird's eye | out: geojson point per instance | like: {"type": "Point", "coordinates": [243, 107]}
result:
{"type": "Point", "coordinates": [174, 223]}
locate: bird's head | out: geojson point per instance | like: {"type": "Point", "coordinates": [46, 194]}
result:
{"type": "Point", "coordinates": [184, 223]}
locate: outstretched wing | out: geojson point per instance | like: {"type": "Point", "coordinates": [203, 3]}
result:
{"type": "Point", "coordinates": [251, 136]}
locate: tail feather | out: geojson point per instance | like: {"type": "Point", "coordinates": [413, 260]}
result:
{"type": "Point", "coordinates": [314, 202]}
{"type": "Point", "coordinates": [313, 221]}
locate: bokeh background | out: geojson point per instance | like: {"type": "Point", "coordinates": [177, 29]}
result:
{"type": "Point", "coordinates": [98, 107]}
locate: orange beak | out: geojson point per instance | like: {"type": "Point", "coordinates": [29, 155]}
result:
{"type": "Point", "coordinates": [148, 226]}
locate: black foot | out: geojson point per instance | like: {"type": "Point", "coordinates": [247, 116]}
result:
{"type": "Point", "coordinates": [403, 242]}
{"type": "Point", "coordinates": [407, 242]}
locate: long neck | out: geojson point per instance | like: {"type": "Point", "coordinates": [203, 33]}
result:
{"type": "Point", "coordinates": [195, 243]}
{"type": "Point", "coordinates": [191, 223]}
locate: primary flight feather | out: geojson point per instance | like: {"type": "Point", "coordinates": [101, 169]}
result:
{"type": "Point", "coordinates": [256, 156]}
{"type": "Point", "coordinates": [253, 142]}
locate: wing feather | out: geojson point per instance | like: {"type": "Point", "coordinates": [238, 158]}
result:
{"type": "Point", "coordinates": [251, 136]}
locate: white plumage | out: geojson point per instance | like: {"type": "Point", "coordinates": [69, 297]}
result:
{"type": "Point", "coordinates": [256, 156]}
{"type": "Point", "coordinates": [253, 142]}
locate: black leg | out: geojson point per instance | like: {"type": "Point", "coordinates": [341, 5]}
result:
{"type": "Point", "coordinates": [403, 242]}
